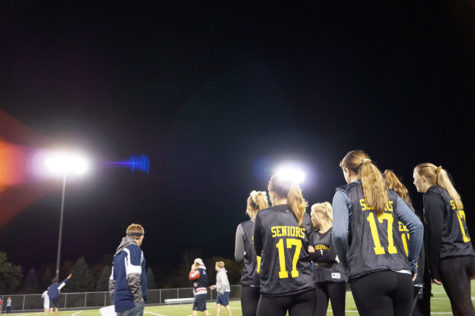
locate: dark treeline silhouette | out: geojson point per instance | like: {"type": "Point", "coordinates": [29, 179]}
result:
{"type": "Point", "coordinates": [95, 277]}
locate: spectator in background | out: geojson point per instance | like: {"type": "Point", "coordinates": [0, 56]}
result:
{"type": "Point", "coordinates": [200, 282]}
{"type": "Point", "coordinates": [45, 298]}
{"type": "Point", "coordinates": [9, 305]}
{"type": "Point", "coordinates": [1, 305]}
{"type": "Point", "coordinates": [128, 281]}
{"type": "Point", "coordinates": [222, 288]}
{"type": "Point", "coordinates": [53, 293]}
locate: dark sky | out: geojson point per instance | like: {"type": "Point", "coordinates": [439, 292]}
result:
{"type": "Point", "coordinates": [218, 94]}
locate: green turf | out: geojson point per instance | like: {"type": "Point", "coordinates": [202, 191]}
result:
{"type": "Point", "coordinates": [439, 305]}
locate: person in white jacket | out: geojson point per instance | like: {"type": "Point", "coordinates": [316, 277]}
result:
{"type": "Point", "coordinates": [45, 298]}
{"type": "Point", "coordinates": [222, 288]}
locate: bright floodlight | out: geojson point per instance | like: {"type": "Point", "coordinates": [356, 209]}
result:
{"type": "Point", "coordinates": [66, 163]}
{"type": "Point", "coordinates": [291, 173]}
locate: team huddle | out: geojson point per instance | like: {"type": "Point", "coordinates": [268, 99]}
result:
{"type": "Point", "coordinates": [369, 237]}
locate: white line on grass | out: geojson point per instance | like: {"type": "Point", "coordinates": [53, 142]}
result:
{"type": "Point", "coordinates": [76, 313]}
{"type": "Point", "coordinates": [156, 314]}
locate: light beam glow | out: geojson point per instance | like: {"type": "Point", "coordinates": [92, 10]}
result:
{"type": "Point", "coordinates": [291, 173]}
{"type": "Point", "coordinates": [66, 163]}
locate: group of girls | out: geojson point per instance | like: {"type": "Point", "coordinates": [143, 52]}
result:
{"type": "Point", "coordinates": [369, 236]}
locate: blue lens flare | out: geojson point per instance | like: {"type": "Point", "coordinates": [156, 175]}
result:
{"type": "Point", "coordinates": [134, 163]}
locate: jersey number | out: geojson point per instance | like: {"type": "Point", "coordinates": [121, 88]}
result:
{"type": "Point", "coordinates": [283, 273]}
{"type": "Point", "coordinates": [258, 270]}
{"type": "Point", "coordinates": [378, 249]}
{"type": "Point", "coordinates": [461, 216]}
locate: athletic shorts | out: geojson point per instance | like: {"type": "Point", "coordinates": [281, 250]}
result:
{"type": "Point", "coordinates": [223, 299]}
{"type": "Point", "coordinates": [54, 303]}
{"type": "Point", "coordinates": [199, 304]}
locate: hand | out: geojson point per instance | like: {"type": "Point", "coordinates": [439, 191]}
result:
{"type": "Point", "coordinates": [311, 249]}
{"type": "Point", "coordinates": [414, 277]}
{"type": "Point", "coordinates": [436, 281]}
{"type": "Point", "coordinates": [212, 287]}
{"type": "Point", "coordinates": [69, 276]}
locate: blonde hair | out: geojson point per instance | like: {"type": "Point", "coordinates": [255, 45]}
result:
{"type": "Point", "coordinates": [393, 183]}
{"type": "Point", "coordinates": [374, 189]}
{"type": "Point", "coordinates": [220, 264]}
{"type": "Point", "coordinates": [133, 230]}
{"type": "Point", "coordinates": [324, 208]}
{"type": "Point", "coordinates": [288, 189]}
{"type": "Point", "coordinates": [256, 201]}
{"type": "Point", "coordinates": [438, 176]}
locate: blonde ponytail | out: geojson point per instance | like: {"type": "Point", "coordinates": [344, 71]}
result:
{"type": "Point", "coordinates": [256, 201]}
{"type": "Point", "coordinates": [438, 176]}
{"type": "Point", "coordinates": [297, 203]}
{"type": "Point", "coordinates": [374, 188]}
{"type": "Point", "coordinates": [392, 182]}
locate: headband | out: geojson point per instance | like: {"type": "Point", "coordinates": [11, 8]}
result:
{"type": "Point", "coordinates": [135, 234]}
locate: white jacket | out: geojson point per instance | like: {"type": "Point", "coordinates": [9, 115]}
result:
{"type": "Point", "coordinates": [222, 282]}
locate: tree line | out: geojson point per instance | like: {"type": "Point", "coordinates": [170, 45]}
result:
{"type": "Point", "coordinates": [95, 277]}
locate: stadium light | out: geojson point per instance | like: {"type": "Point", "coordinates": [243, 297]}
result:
{"type": "Point", "coordinates": [64, 164]}
{"type": "Point", "coordinates": [291, 173]}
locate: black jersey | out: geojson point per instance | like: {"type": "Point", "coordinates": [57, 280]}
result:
{"type": "Point", "coordinates": [405, 236]}
{"type": "Point", "coordinates": [330, 270]}
{"type": "Point", "coordinates": [250, 272]}
{"type": "Point", "coordinates": [455, 237]}
{"type": "Point", "coordinates": [374, 243]}
{"type": "Point", "coordinates": [283, 246]}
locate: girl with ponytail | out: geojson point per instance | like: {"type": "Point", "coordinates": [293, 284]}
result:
{"type": "Point", "coordinates": [244, 252]}
{"type": "Point", "coordinates": [281, 239]}
{"type": "Point", "coordinates": [328, 273]}
{"type": "Point", "coordinates": [421, 304]}
{"type": "Point", "coordinates": [366, 216]}
{"type": "Point", "coordinates": [450, 255]}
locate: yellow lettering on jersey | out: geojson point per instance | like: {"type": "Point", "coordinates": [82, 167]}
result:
{"type": "Point", "coordinates": [287, 231]}
{"type": "Point", "coordinates": [258, 270]}
{"type": "Point", "coordinates": [320, 247]}
{"type": "Point", "coordinates": [365, 207]}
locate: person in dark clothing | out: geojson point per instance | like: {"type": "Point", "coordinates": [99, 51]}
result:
{"type": "Point", "coordinates": [366, 215]}
{"type": "Point", "coordinates": [200, 281]}
{"type": "Point", "coordinates": [281, 239]}
{"type": "Point", "coordinates": [328, 274]}
{"type": "Point", "coordinates": [53, 293]}
{"type": "Point", "coordinates": [128, 281]}
{"type": "Point", "coordinates": [244, 252]}
{"type": "Point", "coordinates": [419, 307]}
{"type": "Point", "coordinates": [450, 255]}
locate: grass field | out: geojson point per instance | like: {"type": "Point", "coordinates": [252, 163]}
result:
{"type": "Point", "coordinates": [439, 306]}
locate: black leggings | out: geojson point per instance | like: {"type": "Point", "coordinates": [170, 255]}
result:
{"type": "Point", "coordinates": [336, 292]}
{"type": "Point", "coordinates": [297, 305]}
{"type": "Point", "coordinates": [249, 300]}
{"type": "Point", "coordinates": [455, 274]}
{"type": "Point", "coordinates": [385, 293]}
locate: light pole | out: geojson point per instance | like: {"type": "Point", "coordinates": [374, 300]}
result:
{"type": "Point", "coordinates": [64, 164]}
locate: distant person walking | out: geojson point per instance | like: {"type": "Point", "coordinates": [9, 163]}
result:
{"type": "Point", "coordinates": [244, 252]}
{"type": "Point", "coordinates": [45, 298]}
{"type": "Point", "coordinates": [53, 293]}
{"type": "Point", "coordinates": [128, 281]}
{"type": "Point", "coordinates": [222, 288]}
{"type": "Point", "coordinates": [200, 282]}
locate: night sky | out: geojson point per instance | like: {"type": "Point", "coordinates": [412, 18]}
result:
{"type": "Point", "coordinates": [217, 95]}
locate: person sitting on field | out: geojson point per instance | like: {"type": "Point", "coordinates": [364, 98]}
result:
{"type": "Point", "coordinates": [223, 288]}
